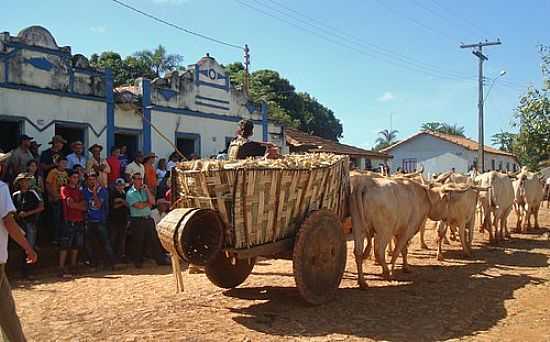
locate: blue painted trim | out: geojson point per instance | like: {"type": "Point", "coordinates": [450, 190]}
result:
{"type": "Point", "coordinates": [211, 99]}
{"type": "Point", "coordinates": [39, 49]}
{"type": "Point", "coordinates": [90, 72]}
{"type": "Point", "coordinates": [167, 93]}
{"type": "Point", "coordinates": [146, 102]}
{"type": "Point", "coordinates": [9, 55]}
{"type": "Point", "coordinates": [265, 124]}
{"type": "Point", "coordinates": [191, 136]}
{"type": "Point", "coordinates": [197, 72]}
{"type": "Point", "coordinates": [53, 122]}
{"type": "Point", "coordinates": [200, 103]}
{"type": "Point", "coordinates": [50, 92]}
{"type": "Point", "coordinates": [41, 63]}
{"type": "Point", "coordinates": [214, 85]}
{"type": "Point", "coordinates": [188, 112]}
{"type": "Point", "coordinates": [110, 110]}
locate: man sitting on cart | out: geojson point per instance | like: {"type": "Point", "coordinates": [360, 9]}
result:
{"type": "Point", "coordinates": [242, 147]}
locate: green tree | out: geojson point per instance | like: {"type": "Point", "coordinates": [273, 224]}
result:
{"type": "Point", "coordinates": [386, 138]}
{"type": "Point", "coordinates": [505, 141]}
{"type": "Point", "coordinates": [533, 120]}
{"type": "Point", "coordinates": [111, 60]}
{"type": "Point", "coordinates": [291, 108]}
{"type": "Point", "coordinates": [146, 63]}
{"type": "Point", "coordinates": [443, 127]}
{"type": "Point", "coordinates": [159, 61]}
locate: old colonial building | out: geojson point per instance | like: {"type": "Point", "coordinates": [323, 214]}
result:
{"type": "Point", "coordinates": [46, 90]}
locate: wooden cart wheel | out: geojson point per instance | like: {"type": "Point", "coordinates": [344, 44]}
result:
{"type": "Point", "coordinates": [319, 257]}
{"type": "Point", "coordinates": [222, 273]}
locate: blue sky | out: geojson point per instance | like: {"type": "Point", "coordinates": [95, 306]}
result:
{"type": "Point", "coordinates": [338, 51]}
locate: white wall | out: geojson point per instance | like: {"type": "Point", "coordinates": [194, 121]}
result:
{"type": "Point", "coordinates": [42, 109]}
{"type": "Point", "coordinates": [427, 148]}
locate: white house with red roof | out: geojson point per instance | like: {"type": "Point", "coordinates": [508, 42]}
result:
{"type": "Point", "coordinates": [438, 152]}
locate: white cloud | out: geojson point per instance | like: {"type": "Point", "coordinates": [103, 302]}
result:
{"type": "Point", "coordinates": [99, 29]}
{"type": "Point", "coordinates": [170, 2]}
{"type": "Point", "coordinates": [387, 96]}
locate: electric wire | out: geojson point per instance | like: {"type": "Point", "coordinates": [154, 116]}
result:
{"type": "Point", "coordinates": [331, 30]}
{"type": "Point", "coordinates": [348, 46]}
{"type": "Point", "coordinates": [160, 20]}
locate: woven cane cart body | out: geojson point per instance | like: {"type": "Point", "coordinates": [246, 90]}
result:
{"type": "Point", "coordinates": [228, 215]}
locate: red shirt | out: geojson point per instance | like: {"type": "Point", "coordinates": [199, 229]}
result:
{"type": "Point", "coordinates": [70, 214]}
{"type": "Point", "coordinates": [114, 164]}
{"type": "Point", "coordinates": [168, 195]}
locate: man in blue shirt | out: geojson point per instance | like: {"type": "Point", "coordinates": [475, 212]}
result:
{"type": "Point", "coordinates": [142, 226]}
{"type": "Point", "coordinates": [97, 204]}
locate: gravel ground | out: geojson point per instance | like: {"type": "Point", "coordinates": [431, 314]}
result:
{"type": "Point", "coordinates": [501, 294]}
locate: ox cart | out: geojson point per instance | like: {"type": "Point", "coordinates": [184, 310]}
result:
{"type": "Point", "coordinates": [227, 214]}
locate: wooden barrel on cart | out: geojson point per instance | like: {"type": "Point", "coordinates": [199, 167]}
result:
{"type": "Point", "coordinates": [194, 234]}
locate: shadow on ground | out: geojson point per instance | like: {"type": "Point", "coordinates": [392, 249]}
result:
{"type": "Point", "coordinates": [433, 303]}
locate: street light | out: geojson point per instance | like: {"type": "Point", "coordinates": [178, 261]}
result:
{"type": "Point", "coordinates": [502, 73]}
{"type": "Point", "coordinates": [481, 145]}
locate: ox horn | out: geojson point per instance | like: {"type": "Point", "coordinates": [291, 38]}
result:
{"type": "Point", "coordinates": [413, 174]}
{"type": "Point", "coordinates": [443, 177]}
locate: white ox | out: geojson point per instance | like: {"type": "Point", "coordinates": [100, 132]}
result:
{"type": "Point", "coordinates": [459, 213]}
{"type": "Point", "coordinates": [497, 202]}
{"type": "Point", "coordinates": [388, 208]}
{"type": "Point", "coordinates": [528, 195]}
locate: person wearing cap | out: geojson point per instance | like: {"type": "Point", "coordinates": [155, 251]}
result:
{"type": "Point", "coordinates": [48, 156]}
{"type": "Point", "coordinates": [10, 325]}
{"type": "Point", "coordinates": [140, 200]}
{"type": "Point", "coordinates": [72, 239]}
{"type": "Point", "coordinates": [150, 176]}
{"type": "Point", "coordinates": [57, 177]}
{"type": "Point", "coordinates": [115, 164]}
{"type": "Point", "coordinates": [242, 147]}
{"type": "Point", "coordinates": [135, 167]}
{"type": "Point", "coordinates": [118, 218]}
{"type": "Point", "coordinates": [77, 157]}
{"type": "Point", "coordinates": [20, 156]}
{"type": "Point", "coordinates": [28, 205]}
{"type": "Point", "coordinates": [98, 165]}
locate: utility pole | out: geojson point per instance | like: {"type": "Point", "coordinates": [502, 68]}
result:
{"type": "Point", "coordinates": [246, 64]}
{"type": "Point", "coordinates": [478, 52]}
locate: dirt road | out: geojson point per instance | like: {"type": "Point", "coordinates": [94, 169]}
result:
{"type": "Point", "coordinates": [502, 294]}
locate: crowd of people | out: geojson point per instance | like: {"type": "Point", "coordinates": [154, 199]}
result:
{"type": "Point", "coordinates": [98, 211]}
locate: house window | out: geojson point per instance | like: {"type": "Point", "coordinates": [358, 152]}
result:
{"type": "Point", "coordinates": [493, 163]}
{"type": "Point", "coordinates": [515, 167]}
{"type": "Point", "coordinates": [409, 165]}
{"type": "Point", "coordinates": [500, 165]}
{"type": "Point", "coordinates": [507, 166]}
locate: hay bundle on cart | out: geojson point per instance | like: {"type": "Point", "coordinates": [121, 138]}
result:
{"type": "Point", "coordinates": [230, 212]}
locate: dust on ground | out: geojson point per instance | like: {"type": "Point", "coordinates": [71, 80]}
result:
{"type": "Point", "coordinates": [501, 294]}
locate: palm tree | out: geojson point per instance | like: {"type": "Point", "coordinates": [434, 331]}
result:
{"type": "Point", "coordinates": [387, 137]}
{"type": "Point", "coordinates": [443, 127]}
{"type": "Point", "coordinates": [452, 129]}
